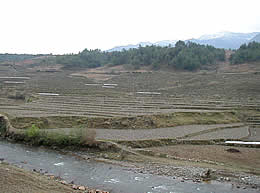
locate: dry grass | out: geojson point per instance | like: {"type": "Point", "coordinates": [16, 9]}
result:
{"type": "Point", "coordinates": [14, 180]}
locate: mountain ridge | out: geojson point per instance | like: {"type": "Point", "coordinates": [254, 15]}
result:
{"type": "Point", "coordinates": [256, 38]}
{"type": "Point", "coordinates": [225, 39]}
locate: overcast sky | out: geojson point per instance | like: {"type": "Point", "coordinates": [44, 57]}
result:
{"type": "Point", "coordinates": [69, 26]}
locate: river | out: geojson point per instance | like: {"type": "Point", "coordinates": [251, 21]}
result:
{"type": "Point", "coordinates": [102, 175]}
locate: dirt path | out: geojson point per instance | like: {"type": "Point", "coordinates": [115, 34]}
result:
{"type": "Point", "coordinates": [162, 133]}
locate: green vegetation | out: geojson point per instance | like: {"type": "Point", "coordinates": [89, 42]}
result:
{"type": "Point", "coordinates": [246, 53]}
{"type": "Point", "coordinates": [87, 58]}
{"type": "Point", "coordinates": [185, 56]}
{"type": "Point", "coordinates": [37, 136]}
{"type": "Point", "coordinates": [33, 131]}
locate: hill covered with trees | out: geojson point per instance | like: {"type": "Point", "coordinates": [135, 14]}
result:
{"type": "Point", "coordinates": [246, 53]}
{"type": "Point", "coordinates": [185, 56]}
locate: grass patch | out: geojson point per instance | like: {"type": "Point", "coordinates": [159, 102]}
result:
{"type": "Point", "coordinates": [32, 132]}
{"type": "Point", "coordinates": [37, 136]}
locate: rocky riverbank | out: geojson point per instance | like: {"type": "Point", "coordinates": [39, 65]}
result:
{"type": "Point", "coordinates": [200, 175]}
{"type": "Point", "coordinates": [14, 179]}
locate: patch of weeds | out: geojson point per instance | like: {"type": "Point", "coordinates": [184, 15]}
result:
{"type": "Point", "coordinates": [36, 136]}
{"type": "Point", "coordinates": [59, 139]}
{"type": "Point", "coordinates": [84, 135]}
{"type": "Point", "coordinates": [26, 122]}
{"type": "Point", "coordinates": [33, 131]}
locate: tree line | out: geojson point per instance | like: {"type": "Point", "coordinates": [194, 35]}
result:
{"type": "Point", "coordinates": [246, 53]}
{"type": "Point", "coordinates": [185, 56]}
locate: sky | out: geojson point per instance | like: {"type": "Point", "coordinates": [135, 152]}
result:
{"type": "Point", "coordinates": [70, 26]}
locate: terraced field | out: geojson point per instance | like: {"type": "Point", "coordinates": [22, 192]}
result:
{"type": "Point", "coordinates": [129, 94]}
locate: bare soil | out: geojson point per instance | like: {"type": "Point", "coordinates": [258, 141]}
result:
{"type": "Point", "coordinates": [13, 180]}
{"type": "Point", "coordinates": [171, 132]}
{"type": "Point", "coordinates": [247, 159]}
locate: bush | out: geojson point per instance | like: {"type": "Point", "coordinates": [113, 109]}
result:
{"type": "Point", "coordinates": [58, 139]}
{"type": "Point", "coordinates": [84, 135]}
{"type": "Point", "coordinates": [33, 132]}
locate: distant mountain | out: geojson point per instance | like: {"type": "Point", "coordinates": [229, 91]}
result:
{"type": "Point", "coordinates": [227, 40]}
{"type": "Point", "coordinates": [165, 43]}
{"type": "Point", "coordinates": [256, 38]}
{"type": "Point", "coordinates": [143, 44]}
{"type": "Point", "coordinates": [127, 47]}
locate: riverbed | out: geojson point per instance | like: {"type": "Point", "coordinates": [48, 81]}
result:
{"type": "Point", "coordinates": [95, 174]}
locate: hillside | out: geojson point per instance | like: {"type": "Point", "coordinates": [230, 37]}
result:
{"type": "Point", "coordinates": [184, 56]}
{"type": "Point", "coordinates": [256, 38]}
{"type": "Point", "coordinates": [246, 53]}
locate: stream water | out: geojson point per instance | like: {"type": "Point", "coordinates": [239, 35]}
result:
{"type": "Point", "coordinates": [101, 175]}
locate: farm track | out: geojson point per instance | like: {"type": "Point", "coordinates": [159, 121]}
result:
{"type": "Point", "coordinates": [180, 132]}
{"type": "Point", "coordinates": [228, 133]}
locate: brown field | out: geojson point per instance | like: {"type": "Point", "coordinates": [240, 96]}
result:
{"type": "Point", "coordinates": [247, 159]}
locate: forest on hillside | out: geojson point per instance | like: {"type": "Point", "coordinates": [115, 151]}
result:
{"type": "Point", "coordinates": [185, 56]}
{"type": "Point", "coordinates": [246, 53]}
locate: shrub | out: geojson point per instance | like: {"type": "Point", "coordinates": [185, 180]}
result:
{"type": "Point", "coordinates": [84, 135]}
{"type": "Point", "coordinates": [59, 139]}
{"type": "Point", "coordinates": [77, 137]}
{"type": "Point", "coordinates": [33, 131]}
